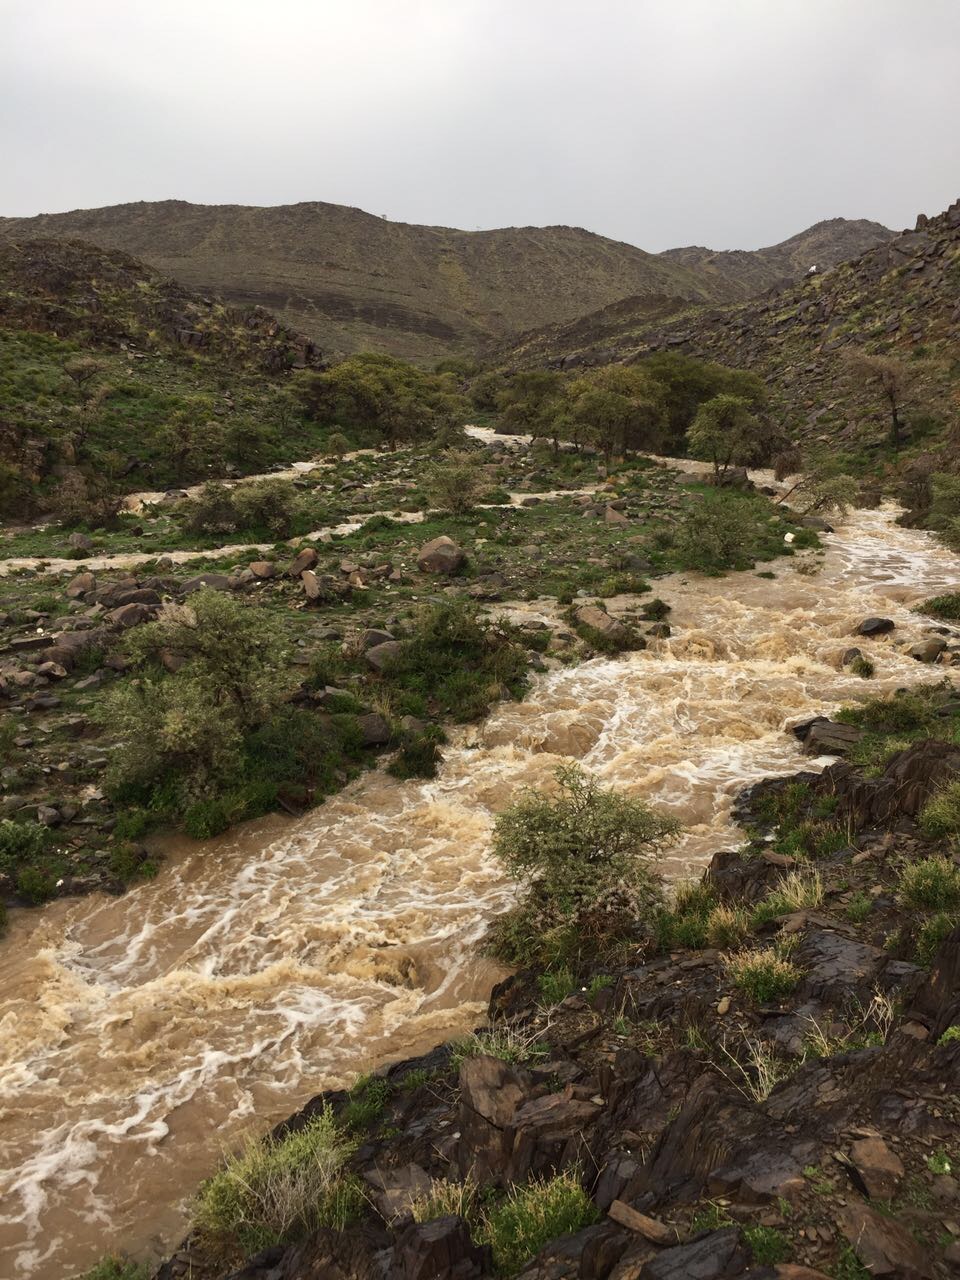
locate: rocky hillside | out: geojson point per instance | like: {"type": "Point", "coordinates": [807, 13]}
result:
{"type": "Point", "coordinates": [899, 297]}
{"type": "Point", "coordinates": [110, 370]}
{"type": "Point", "coordinates": [105, 298]}
{"type": "Point", "coordinates": [353, 281]}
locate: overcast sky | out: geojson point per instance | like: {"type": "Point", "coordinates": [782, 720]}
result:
{"type": "Point", "coordinates": [730, 123]}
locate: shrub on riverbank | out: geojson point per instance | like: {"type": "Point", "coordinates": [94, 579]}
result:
{"type": "Point", "coordinates": [946, 607]}
{"type": "Point", "coordinates": [529, 1216]}
{"type": "Point", "coordinates": [279, 1189]}
{"type": "Point", "coordinates": [582, 858]}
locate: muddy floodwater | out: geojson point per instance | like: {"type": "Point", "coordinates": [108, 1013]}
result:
{"type": "Point", "coordinates": [140, 1035]}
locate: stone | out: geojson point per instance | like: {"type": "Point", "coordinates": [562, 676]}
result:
{"type": "Point", "coordinates": [438, 1250]}
{"type": "Point", "coordinates": [263, 569]}
{"type": "Point", "coordinates": [382, 655]}
{"type": "Point", "coordinates": [440, 555]}
{"type": "Point", "coordinates": [80, 585]}
{"type": "Point", "coordinates": [884, 1247]}
{"type": "Point", "coordinates": [874, 627]}
{"type": "Point", "coordinates": [374, 730]}
{"type": "Point", "coordinates": [52, 670]}
{"type": "Point", "coordinates": [589, 615]}
{"type": "Point", "coordinates": [311, 587]}
{"type": "Point", "coordinates": [130, 615]}
{"type": "Point", "coordinates": [80, 542]}
{"type": "Point", "coordinates": [215, 582]}
{"type": "Point", "coordinates": [305, 559]}
{"type": "Point", "coordinates": [927, 650]}
{"type": "Point", "coordinates": [48, 816]}
{"type": "Point", "coordinates": [716, 1255]}
{"type": "Point", "coordinates": [879, 1168]}
{"type": "Point", "coordinates": [373, 637]}
{"type": "Point", "coordinates": [824, 737]}
{"type": "Point", "coordinates": [612, 516]}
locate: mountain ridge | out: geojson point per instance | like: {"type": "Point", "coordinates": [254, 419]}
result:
{"type": "Point", "coordinates": [351, 280]}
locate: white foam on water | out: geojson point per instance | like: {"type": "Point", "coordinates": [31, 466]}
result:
{"type": "Point", "coordinates": [141, 1035]}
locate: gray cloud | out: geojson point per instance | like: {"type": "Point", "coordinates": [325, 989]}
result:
{"type": "Point", "coordinates": [732, 123]}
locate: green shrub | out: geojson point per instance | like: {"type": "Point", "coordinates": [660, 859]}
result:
{"type": "Point", "coordinates": [794, 892]}
{"type": "Point", "coordinates": [36, 884]}
{"type": "Point", "coordinates": [726, 926]}
{"type": "Point", "coordinates": [127, 863]}
{"type": "Point", "coordinates": [940, 816]}
{"type": "Point", "coordinates": [206, 818]}
{"type": "Point", "coordinates": [278, 1189]}
{"type": "Point", "coordinates": [947, 607]}
{"type": "Point", "coordinates": [192, 724]}
{"type": "Point", "coordinates": [859, 907]}
{"type": "Point", "coordinates": [507, 1041]}
{"type": "Point", "coordinates": [582, 858]}
{"type": "Point", "coordinates": [531, 1216]}
{"type": "Point", "coordinates": [767, 1245]}
{"type": "Point", "coordinates": [951, 1035]}
{"type": "Point", "coordinates": [368, 1097]}
{"type": "Point", "coordinates": [555, 985]}
{"type": "Point", "coordinates": [419, 754]}
{"type": "Point", "coordinates": [20, 841]}
{"type": "Point", "coordinates": [932, 935]}
{"type": "Point", "coordinates": [764, 976]}
{"type": "Point", "coordinates": [454, 483]}
{"type": "Point", "coordinates": [462, 1199]}
{"type": "Point", "coordinates": [932, 884]}
{"type": "Point", "coordinates": [113, 1267]}
{"type": "Point", "coordinates": [459, 662]}
{"type": "Point", "coordinates": [863, 667]}
{"type": "Point", "coordinates": [719, 533]}
{"type": "Point", "coordinates": [655, 610]}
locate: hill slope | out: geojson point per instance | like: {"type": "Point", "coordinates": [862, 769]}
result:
{"type": "Point", "coordinates": [353, 281]}
{"type": "Point", "coordinates": [901, 297]}
{"type": "Point", "coordinates": [112, 374]}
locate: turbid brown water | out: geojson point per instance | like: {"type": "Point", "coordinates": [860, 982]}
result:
{"type": "Point", "coordinates": [141, 1035]}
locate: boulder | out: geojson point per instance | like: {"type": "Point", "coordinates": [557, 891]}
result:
{"type": "Point", "coordinates": [879, 1168]}
{"type": "Point", "coordinates": [717, 1255]}
{"type": "Point", "coordinates": [825, 737]}
{"type": "Point", "coordinates": [381, 655]}
{"type": "Point", "coordinates": [215, 581]}
{"type": "Point", "coordinates": [927, 650]}
{"type": "Point", "coordinates": [440, 555]}
{"type": "Point", "coordinates": [263, 569]}
{"type": "Point", "coordinates": [883, 1245]}
{"type": "Point", "coordinates": [589, 615]}
{"type": "Point", "coordinates": [874, 627]}
{"type": "Point", "coordinates": [306, 559]}
{"type": "Point", "coordinates": [80, 542]}
{"type": "Point", "coordinates": [80, 585]}
{"type": "Point", "coordinates": [374, 730]}
{"type": "Point", "coordinates": [311, 587]}
{"type": "Point", "coordinates": [438, 1250]}
{"type": "Point", "coordinates": [373, 637]}
{"type": "Point", "coordinates": [612, 516]}
{"type": "Point", "coordinates": [130, 615]}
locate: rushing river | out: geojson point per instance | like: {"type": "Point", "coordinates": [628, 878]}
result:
{"type": "Point", "coordinates": [140, 1035]}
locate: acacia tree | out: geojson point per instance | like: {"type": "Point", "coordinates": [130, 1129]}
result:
{"type": "Point", "coordinates": [725, 433]}
{"type": "Point", "coordinates": [889, 380]}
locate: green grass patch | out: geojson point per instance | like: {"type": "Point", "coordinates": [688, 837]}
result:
{"type": "Point", "coordinates": [278, 1190]}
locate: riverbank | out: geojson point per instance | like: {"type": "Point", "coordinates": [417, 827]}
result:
{"type": "Point", "coordinates": [768, 1088]}
{"type": "Point", "coordinates": [271, 962]}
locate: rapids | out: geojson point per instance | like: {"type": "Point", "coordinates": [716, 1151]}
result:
{"type": "Point", "coordinates": [140, 1035]}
